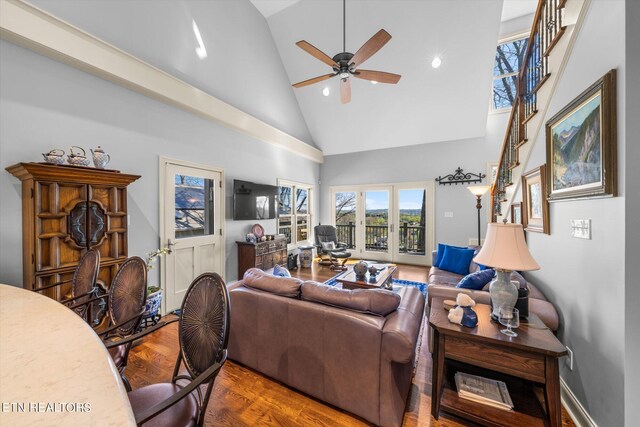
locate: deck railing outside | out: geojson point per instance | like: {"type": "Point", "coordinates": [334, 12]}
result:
{"type": "Point", "coordinates": [412, 237]}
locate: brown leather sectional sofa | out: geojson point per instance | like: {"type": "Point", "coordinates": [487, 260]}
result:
{"type": "Point", "coordinates": [443, 284]}
{"type": "Point", "coordinates": [352, 349]}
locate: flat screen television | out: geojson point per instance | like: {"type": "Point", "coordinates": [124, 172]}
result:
{"type": "Point", "coordinates": [254, 201]}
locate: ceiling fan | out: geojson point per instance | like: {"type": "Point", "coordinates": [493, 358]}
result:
{"type": "Point", "coordinates": [345, 64]}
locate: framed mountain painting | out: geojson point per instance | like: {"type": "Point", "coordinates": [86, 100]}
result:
{"type": "Point", "coordinates": [581, 144]}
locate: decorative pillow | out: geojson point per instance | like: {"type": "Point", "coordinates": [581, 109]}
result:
{"type": "Point", "coordinates": [477, 280]}
{"type": "Point", "coordinates": [456, 260]}
{"type": "Point", "coordinates": [371, 301]}
{"type": "Point", "coordinates": [280, 271]}
{"type": "Point", "coordinates": [441, 248]}
{"type": "Point", "coordinates": [328, 246]}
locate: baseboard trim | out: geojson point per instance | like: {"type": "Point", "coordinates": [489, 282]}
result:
{"type": "Point", "coordinates": [576, 411]}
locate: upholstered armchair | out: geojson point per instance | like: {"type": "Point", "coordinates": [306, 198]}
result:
{"type": "Point", "coordinates": [329, 249]}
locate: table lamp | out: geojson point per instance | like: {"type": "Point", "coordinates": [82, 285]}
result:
{"type": "Point", "coordinates": [478, 191]}
{"type": "Point", "coordinates": [505, 250]}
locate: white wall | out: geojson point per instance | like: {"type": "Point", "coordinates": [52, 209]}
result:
{"type": "Point", "coordinates": [45, 104]}
{"type": "Point", "coordinates": [632, 219]}
{"type": "Point", "coordinates": [585, 278]}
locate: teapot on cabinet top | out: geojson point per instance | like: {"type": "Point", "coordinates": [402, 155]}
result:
{"type": "Point", "coordinates": [100, 158]}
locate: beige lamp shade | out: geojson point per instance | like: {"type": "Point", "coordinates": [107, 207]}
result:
{"type": "Point", "coordinates": [478, 190]}
{"type": "Point", "coordinates": [504, 247]}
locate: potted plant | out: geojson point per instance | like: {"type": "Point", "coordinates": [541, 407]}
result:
{"type": "Point", "coordinates": [154, 293]}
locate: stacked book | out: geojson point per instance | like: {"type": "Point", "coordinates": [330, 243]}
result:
{"type": "Point", "coordinates": [483, 390]}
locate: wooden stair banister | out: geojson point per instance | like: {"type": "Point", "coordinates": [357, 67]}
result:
{"type": "Point", "coordinates": [545, 32]}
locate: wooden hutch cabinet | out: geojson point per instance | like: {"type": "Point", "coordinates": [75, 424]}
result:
{"type": "Point", "coordinates": [65, 211]}
{"type": "Point", "coordinates": [262, 255]}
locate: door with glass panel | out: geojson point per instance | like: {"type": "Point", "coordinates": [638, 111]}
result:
{"type": "Point", "coordinates": [191, 228]}
{"type": "Point", "coordinates": [376, 227]}
{"type": "Point", "coordinates": [345, 216]}
{"type": "Point", "coordinates": [413, 220]}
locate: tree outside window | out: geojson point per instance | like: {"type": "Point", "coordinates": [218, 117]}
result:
{"type": "Point", "coordinates": [294, 212]}
{"type": "Point", "coordinates": [510, 56]}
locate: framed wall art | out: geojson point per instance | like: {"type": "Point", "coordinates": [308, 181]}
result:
{"type": "Point", "coordinates": [535, 208]}
{"type": "Point", "coordinates": [581, 144]}
{"type": "Point", "coordinates": [516, 213]}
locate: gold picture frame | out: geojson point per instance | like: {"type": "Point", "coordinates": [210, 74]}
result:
{"type": "Point", "coordinates": [535, 207]}
{"type": "Point", "coordinates": [581, 144]}
{"type": "Point", "coordinates": [516, 213]}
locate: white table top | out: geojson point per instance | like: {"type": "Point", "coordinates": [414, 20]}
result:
{"type": "Point", "coordinates": [53, 366]}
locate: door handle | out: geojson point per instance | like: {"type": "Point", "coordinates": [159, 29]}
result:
{"type": "Point", "coordinates": [170, 245]}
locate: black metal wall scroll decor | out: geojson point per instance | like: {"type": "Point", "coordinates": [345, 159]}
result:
{"type": "Point", "coordinates": [460, 177]}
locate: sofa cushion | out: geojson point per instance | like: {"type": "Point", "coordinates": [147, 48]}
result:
{"type": "Point", "coordinates": [372, 301]}
{"type": "Point", "coordinates": [283, 286]}
{"type": "Point", "coordinates": [476, 280]}
{"type": "Point", "coordinates": [456, 260]}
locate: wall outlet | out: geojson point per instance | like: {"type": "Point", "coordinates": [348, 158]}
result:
{"type": "Point", "coordinates": [448, 214]}
{"type": "Point", "coordinates": [569, 359]}
{"type": "Point", "coordinates": [581, 228]}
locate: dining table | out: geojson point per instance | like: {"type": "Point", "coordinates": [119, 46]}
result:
{"type": "Point", "coordinates": [54, 369]}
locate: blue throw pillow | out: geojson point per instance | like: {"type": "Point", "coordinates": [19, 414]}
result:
{"type": "Point", "coordinates": [456, 260]}
{"type": "Point", "coordinates": [280, 271]}
{"type": "Point", "coordinates": [440, 254]}
{"type": "Point", "coordinates": [477, 280]}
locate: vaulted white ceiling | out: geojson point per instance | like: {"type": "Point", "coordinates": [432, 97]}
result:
{"type": "Point", "coordinates": [427, 105]}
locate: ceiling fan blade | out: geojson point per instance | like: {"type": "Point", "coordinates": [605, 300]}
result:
{"type": "Point", "coordinates": [372, 45]}
{"type": "Point", "coordinates": [313, 80]}
{"type": "Point", "coordinates": [345, 91]}
{"type": "Point", "coordinates": [377, 76]}
{"type": "Point", "coordinates": [317, 53]}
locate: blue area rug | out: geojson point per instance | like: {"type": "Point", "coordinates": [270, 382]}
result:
{"type": "Point", "coordinates": [397, 283]}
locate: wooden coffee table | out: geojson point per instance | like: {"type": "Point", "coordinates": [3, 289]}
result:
{"type": "Point", "coordinates": [382, 280]}
{"type": "Point", "coordinates": [521, 362]}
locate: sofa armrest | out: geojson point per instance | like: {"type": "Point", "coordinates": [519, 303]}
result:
{"type": "Point", "coordinates": [233, 285]}
{"type": "Point", "coordinates": [401, 330]}
{"type": "Point", "coordinates": [448, 292]}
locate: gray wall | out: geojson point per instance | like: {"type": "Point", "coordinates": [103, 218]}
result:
{"type": "Point", "coordinates": [585, 278]}
{"type": "Point", "coordinates": [243, 67]}
{"type": "Point", "coordinates": [632, 219]}
{"type": "Point", "coordinates": [423, 163]}
{"type": "Point", "coordinates": [45, 104]}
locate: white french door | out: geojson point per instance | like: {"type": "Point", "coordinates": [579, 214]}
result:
{"type": "Point", "coordinates": [390, 222]}
{"type": "Point", "coordinates": [192, 221]}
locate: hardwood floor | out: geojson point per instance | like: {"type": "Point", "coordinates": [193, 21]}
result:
{"type": "Point", "coordinates": [244, 397]}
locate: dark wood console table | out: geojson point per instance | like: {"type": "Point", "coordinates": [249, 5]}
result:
{"type": "Point", "coordinates": [521, 362]}
{"type": "Point", "coordinates": [262, 255]}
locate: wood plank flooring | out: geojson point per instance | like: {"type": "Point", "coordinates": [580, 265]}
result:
{"type": "Point", "coordinates": [244, 397]}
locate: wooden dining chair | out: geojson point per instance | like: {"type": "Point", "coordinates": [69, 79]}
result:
{"type": "Point", "coordinates": [125, 303]}
{"type": "Point", "coordinates": [203, 334]}
{"type": "Point", "coordinates": [83, 283]}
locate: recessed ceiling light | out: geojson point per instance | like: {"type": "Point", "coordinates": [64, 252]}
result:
{"type": "Point", "coordinates": [326, 91]}
{"type": "Point", "coordinates": [373, 82]}
{"type": "Point", "coordinates": [436, 62]}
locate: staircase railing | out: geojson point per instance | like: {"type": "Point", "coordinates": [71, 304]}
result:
{"type": "Point", "coordinates": [546, 31]}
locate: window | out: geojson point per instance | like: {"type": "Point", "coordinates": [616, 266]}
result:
{"type": "Point", "coordinates": [193, 206]}
{"type": "Point", "coordinates": [294, 211]}
{"type": "Point", "coordinates": [509, 61]}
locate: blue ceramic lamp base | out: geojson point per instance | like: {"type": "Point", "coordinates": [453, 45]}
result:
{"type": "Point", "coordinates": [502, 292]}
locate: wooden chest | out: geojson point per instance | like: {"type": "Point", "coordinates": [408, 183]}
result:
{"type": "Point", "coordinates": [262, 255]}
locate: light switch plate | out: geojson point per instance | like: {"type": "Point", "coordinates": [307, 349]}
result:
{"type": "Point", "coordinates": [581, 228]}
{"type": "Point", "coordinates": [448, 214]}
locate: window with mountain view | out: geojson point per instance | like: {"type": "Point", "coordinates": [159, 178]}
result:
{"type": "Point", "coordinates": [508, 63]}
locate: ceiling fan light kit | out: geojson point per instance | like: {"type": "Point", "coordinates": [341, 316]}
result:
{"type": "Point", "coordinates": [345, 64]}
